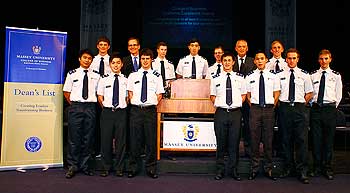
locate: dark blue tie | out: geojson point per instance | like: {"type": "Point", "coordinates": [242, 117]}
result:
{"type": "Point", "coordinates": [115, 99]}
{"type": "Point", "coordinates": [218, 71]}
{"type": "Point", "coordinates": [162, 71]}
{"type": "Point", "coordinates": [228, 90]}
{"type": "Point", "coordinates": [241, 66]}
{"type": "Point", "coordinates": [144, 87]}
{"type": "Point", "coordinates": [291, 96]}
{"type": "Point", "coordinates": [277, 67]}
{"type": "Point", "coordinates": [321, 90]}
{"type": "Point", "coordinates": [193, 68]}
{"type": "Point", "coordinates": [261, 90]}
{"type": "Point", "coordinates": [85, 86]}
{"type": "Point", "coordinates": [136, 66]}
{"type": "Point", "coordinates": [102, 67]}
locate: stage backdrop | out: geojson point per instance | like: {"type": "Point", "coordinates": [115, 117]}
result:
{"type": "Point", "coordinates": [32, 135]}
{"type": "Point", "coordinates": [280, 23]}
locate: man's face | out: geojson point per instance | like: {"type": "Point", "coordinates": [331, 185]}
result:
{"type": "Point", "coordinates": [146, 62]}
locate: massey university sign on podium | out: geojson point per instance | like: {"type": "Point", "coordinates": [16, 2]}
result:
{"type": "Point", "coordinates": [32, 130]}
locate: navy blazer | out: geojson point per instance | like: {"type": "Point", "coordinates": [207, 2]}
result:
{"type": "Point", "coordinates": [128, 66]}
{"type": "Point", "coordinates": [247, 66]}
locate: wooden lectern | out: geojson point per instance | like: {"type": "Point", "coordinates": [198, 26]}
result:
{"type": "Point", "coordinates": [187, 96]}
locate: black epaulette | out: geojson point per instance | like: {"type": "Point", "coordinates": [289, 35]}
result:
{"type": "Point", "coordinates": [96, 72]}
{"type": "Point", "coordinates": [272, 71]}
{"type": "Point", "coordinates": [156, 73]}
{"type": "Point", "coordinates": [306, 72]}
{"type": "Point", "coordinates": [313, 72]}
{"type": "Point", "coordinates": [281, 70]}
{"type": "Point", "coordinates": [239, 74]}
{"type": "Point", "coordinates": [251, 72]}
{"type": "Point", "coordinates": [335, 72]}
{"type": "Point", "coordinates": [170, 62]}
{"type": "Point", "coordinates": [72, 71]}
{"type": "Point", "coordinates": [203, 57]}
{"type": "Point", "coordinates": [105, 75]}
{"type": "Point", "coordinates": [215, 75]}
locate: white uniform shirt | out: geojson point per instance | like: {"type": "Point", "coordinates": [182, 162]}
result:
{"type": "Point", "coordinates": [302, 82]}
{"type": "Point", "coordinates": [154, 87]}
{"type": "Point", "coordinates": [218, 89]}
{"type": "Point", "coordinates": [105, 88]}
{"type": "Point", "coordinates": [95, 65]}
{"type": "Point", "coordinates": [74, 85]}
{"type": "Point", "coordinates": [271, 82]}
{"type": "Point", "coordinates": [333, 86]}
{"type": "Point", "coordinates": [168, 66]}
{"type": "Point", "coordinates": [271, 64]}
{"type": "Point", "coordinates": [184, 67]}
{"type": "Point", "coordinates": [213, 69]}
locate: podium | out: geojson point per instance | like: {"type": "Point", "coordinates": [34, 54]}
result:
{"type": "Point", "coordinates": [187, 96]}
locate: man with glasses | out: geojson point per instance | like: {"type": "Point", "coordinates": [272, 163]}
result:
{"type": "Point", "coordinates": [216, 68]}
{"type": "Point", "coordinates": [131, 62]}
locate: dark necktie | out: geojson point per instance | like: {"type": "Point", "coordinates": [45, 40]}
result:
{"type": "Point", "coordinates": [321, 90]}
{"type": "Point", "coordinates": [277, 67]}
{"type": "Point", "coordinates": [261, 90]}
{"type": "Point", "coordinates": [115, 99]}
{"type": "Point", "coordinates": [144, 87]}
{"type": "Point", "coordinates": [102, 67]}
{"type": "Point", "coordinates": [241, 66]}
{"type": "Point", "coordinates": [291, 96]}
{"type": "Point", "coordinates": [193, 69]}
{"type": "Point", "coordinates": [136, 66]}
{"type": "Point", "coordinates": [218, 71]}
{"type": "Point", "coordinates": [162, 71]}
{"type": "Point", "coordinates": [85, 86]}
{"type": "Point", "coordinates": [228, 90]}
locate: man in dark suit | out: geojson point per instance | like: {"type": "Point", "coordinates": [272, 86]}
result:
{"type": "Point", "coordinates": [132, 61]}
{"type": "Point", "coordinates": [244, 64]}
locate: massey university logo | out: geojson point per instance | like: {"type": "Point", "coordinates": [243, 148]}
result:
{"type": "Point", "coordinates": [33, 144]}
{"type": "Point", "coordinates": [36, 49]}
{"type": "Point", "coordinates": [190, 132]}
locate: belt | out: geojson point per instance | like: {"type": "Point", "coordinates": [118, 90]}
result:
{"type": "Point", "coordinates": [113, 108]}
{"type": "Point", "coordinates": [144, 106]}
{"type": "Point", "coordinates": [229, 109]}
{"type": "Point", "coordinates": [83, 103]}
{"type": "Point", "coordinates": [291, 104]}
{"type": "Point", "coordinates": [263, 106]}
{"type": "Point", "coordinates": [323, 105]}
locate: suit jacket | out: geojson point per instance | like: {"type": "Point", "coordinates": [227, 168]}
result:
{"type": "Point", "coordinates": [246, 67]}
{"type": "Point", "coordinates": [128, 66]}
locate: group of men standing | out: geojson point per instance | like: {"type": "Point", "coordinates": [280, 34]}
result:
{"type": "Point", "coordinates": [256, 89]}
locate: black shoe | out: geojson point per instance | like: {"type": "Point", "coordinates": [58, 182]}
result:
{"type": "Point", "coordinates": [131, 174]}
{"type": "Point", "coordinates": [119, 174]}
{"type": "Point", "coordinates": [236, 176]}
{"type": "Point", "coordinates": [285, 173]}
{"type": "Point", "coordinates": [219, 176]}
{"type": "Point", "coordinates": [152, 174]}
{"type": "Point", "coordinates": [104, 173]}
{"type": "Point", "coordinates": [329, 175]}
{"type": "Point", "coordinates": [304, 179]}
{"type": "Point", "coordinates": [315, 173]}
{"type": "Point", "coordinates": [88, 173]}
{"type": "Point", "coordinates": [269, 175]}
{"type": "Point", "coordinates": [70, 174]}
{"type": "Point", "coordinates": [252, 175]}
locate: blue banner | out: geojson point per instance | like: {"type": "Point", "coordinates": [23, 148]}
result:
{"type": "Point", "coordinates": [35, 58]}
{"type": "Point", "coordinates": [32, 130]}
